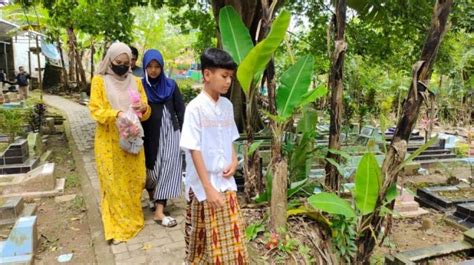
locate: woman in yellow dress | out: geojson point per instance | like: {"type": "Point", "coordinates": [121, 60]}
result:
{"type": "Point", "coordinates": [121, 174]}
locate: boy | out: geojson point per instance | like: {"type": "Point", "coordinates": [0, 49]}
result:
{"type": "Point", "coordinates": [214, 229]}
{"type": "Point", "coordinates": [22, 81]}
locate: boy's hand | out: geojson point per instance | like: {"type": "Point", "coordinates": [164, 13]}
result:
{"type": "Point", "coordinates": [230, 170]}
{"type": "Point", "coordinates": [214, 198]}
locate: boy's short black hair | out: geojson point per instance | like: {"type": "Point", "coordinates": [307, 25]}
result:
{"type": "Point", "coordinates": [134, 51]}
{"type": "Point", "coordinates": [213, 58]}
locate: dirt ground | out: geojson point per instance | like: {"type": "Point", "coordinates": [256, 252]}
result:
{"type": "Point", "coordinates": [63, 227]}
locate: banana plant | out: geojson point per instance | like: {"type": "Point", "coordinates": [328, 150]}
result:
{"type": "Point", "coordinates": [252, 61]}
{"type": "Point", "coordinates": [291, 95]}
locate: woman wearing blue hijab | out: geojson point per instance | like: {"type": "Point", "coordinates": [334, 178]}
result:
{"type": "Point", "coordinates": [162, 135]}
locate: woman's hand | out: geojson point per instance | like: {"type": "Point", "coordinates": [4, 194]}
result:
{"type": "Point", "coordinates": [139, 107]}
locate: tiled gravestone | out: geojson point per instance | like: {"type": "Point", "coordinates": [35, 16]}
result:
{"type": "Point", "coordinates": [464, 215]}
{"type": "Point", "coordinates": [13, 208]}
{"type": "Point", "coordinates": [36, 183]}
{"type": "Point", "coordinates": [445, 198]}
{"type": "Point", "coordinates": [15, 159]}
{"type": "Point", "coordinates": [21, 244]}
{"type": "Point", "coordinates": [406, 206]}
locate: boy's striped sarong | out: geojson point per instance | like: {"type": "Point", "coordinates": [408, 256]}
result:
{"type": "Point", "coordinates": [215, 236]}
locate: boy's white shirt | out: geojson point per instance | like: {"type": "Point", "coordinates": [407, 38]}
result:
{"type": "Point", "coordinates": [209, 127]}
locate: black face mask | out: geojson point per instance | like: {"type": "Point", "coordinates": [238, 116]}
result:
{"type": "Point", "coordinates": [120, 69]}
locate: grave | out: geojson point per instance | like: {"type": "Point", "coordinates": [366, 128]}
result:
{"type": "Point", "coordinates": [21, 244]}
{"type": "Point", "coordinates": [406, 206]}
{"type": "Point", "coordinates": [13, 208]}
{"type": "Point", "coordinates": [37, 183]}
{"type": "Point", "coordinates": [422, 254]}
{"type": "Point", "coordinates": [16, 159]}
{"type": "Point", "coordinates": [444, 198]}
{"type": "Point", "coordinates": [464, 215]}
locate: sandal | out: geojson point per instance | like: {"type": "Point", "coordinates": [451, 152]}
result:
{"type": "Point", "coordinates": [167, 221]}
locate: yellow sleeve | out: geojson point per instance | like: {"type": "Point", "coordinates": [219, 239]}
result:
{"type": "Point", "coordinates": [144, 99]}
{"type": "Point", "coordinates": [99, 107]}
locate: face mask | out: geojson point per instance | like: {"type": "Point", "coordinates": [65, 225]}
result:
{"type": "Point", "coordinates": [120, 69]}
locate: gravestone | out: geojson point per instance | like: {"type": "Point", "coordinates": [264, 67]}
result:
{"type": "Point", "coordinates": [14, 207]}
{"type": "Point", "coordinates": [39, 179]}
{"type": "Point", "coordinates": [16, 158]}
{"type": "Point", "coordinates": [21, 243]}
{"type": "Point", "coordinates": [444, 198]}
{"type": "Point", "coordinates": [406, 206]}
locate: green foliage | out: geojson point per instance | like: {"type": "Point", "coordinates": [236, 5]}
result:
{"type": "Point", "coordinates": [367, 183]}
{"type": "Point", "coordinates": [72, 181]}
{"type": "Point", "coordinates": [151, 29]}
{"type": "Point", "coordinates": [252, 231]}
{"type": "Point", "coordinates": [253, 147]}
{"type": "Point", "coordinates": [461, 150]}
{"type": "Point", "coordinates": [331, 203]}
{"type": "Point", "coordinates": [78, 203]}
{"type": "Point", "coordinates": [235, 36]}
{"type": "Point", "coordinates": [344, 236]}
{"type": "Point", "coordinates": [187, 90]}
{"type": "Point", "coordinates": [312, 95]}
{"type": "Point", "coordinates": [13, 122]}
{"type": "Point", "coordinates": [259, 56]}
{"type": "Point", "coordinates": [294, 82]}
{"type": "Point", "coordinates": [301, 151]}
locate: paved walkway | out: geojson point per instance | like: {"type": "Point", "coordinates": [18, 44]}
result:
{"type": "Point", "coordinates": [154, 244]}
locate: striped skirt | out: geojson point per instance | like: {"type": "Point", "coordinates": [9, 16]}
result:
{"type": "Point", "coordinates": [215, 236]}
{"type": "Point", "coordinates": [165, 179]}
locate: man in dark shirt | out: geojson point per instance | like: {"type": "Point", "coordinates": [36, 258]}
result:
{"type": "Point", "coordinates": [3, 79]}
{"type": "Point", "coordinates": [22, 81]}
{"type": "Point", "coordinates": [136, 70]}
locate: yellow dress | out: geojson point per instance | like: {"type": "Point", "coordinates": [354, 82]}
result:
{"type": "Point", "coordinates": [121, 174]}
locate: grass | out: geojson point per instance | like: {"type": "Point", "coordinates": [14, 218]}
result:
{"type": "Point", "coordinates": [78, 203]}
{"type": "Point", "coordinates": [72, 181]}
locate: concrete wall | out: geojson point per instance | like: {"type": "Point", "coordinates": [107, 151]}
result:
{"type": "Point", "coordinates": [21, 47]}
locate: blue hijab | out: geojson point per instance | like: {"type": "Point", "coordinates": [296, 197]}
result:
{"type": "Point", "coordinates": [160, 89]}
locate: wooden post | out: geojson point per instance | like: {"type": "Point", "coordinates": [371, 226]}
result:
{"type": "Point", "coordinates": [39, 67]}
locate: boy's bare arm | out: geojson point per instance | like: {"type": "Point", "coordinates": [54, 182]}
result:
{"type": "Point", "coordinates": [230, 170]}
{"type": "Point", "coordinates": [214, 198]}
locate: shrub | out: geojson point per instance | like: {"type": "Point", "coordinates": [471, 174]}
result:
{"type": "Point", "coordinates": [12, 122]}
{"type": "Point", "coordinates": [187, 90]}
{"type": "Point", "coordinates": [461, 149]}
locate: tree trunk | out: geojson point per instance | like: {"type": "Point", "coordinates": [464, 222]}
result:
{"type": "Point", "coordinates": [333, 177]}
{"type": "Point", "coordinates": [77, 56]}
{"type": "Point", "coordinates": [279, 167]}
{"type": "Point", "coordinates": [92, 60]}
{"type": "Point", "coordinates": [64, 71]}
{"type": "Point", "coordinates": [397, 149]}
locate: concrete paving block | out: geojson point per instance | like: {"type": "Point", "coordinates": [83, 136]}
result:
{"type": "Point", "coordinates": [161, 242]}
{"type": "Point", "coordinates": [177, 235]}
{"type": "Point", "coordinates": [133, 260]}
{"type": "Point", "coordinates": [122, 256]}
{"type": "Point", "coordinates": [120, 248]}
{"type": "Point", "coordinates": [23, 238]}
{"type": "Point", "coordinates": [176, 245]}
{"type": "Point", "coordinates": [132, 247]}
